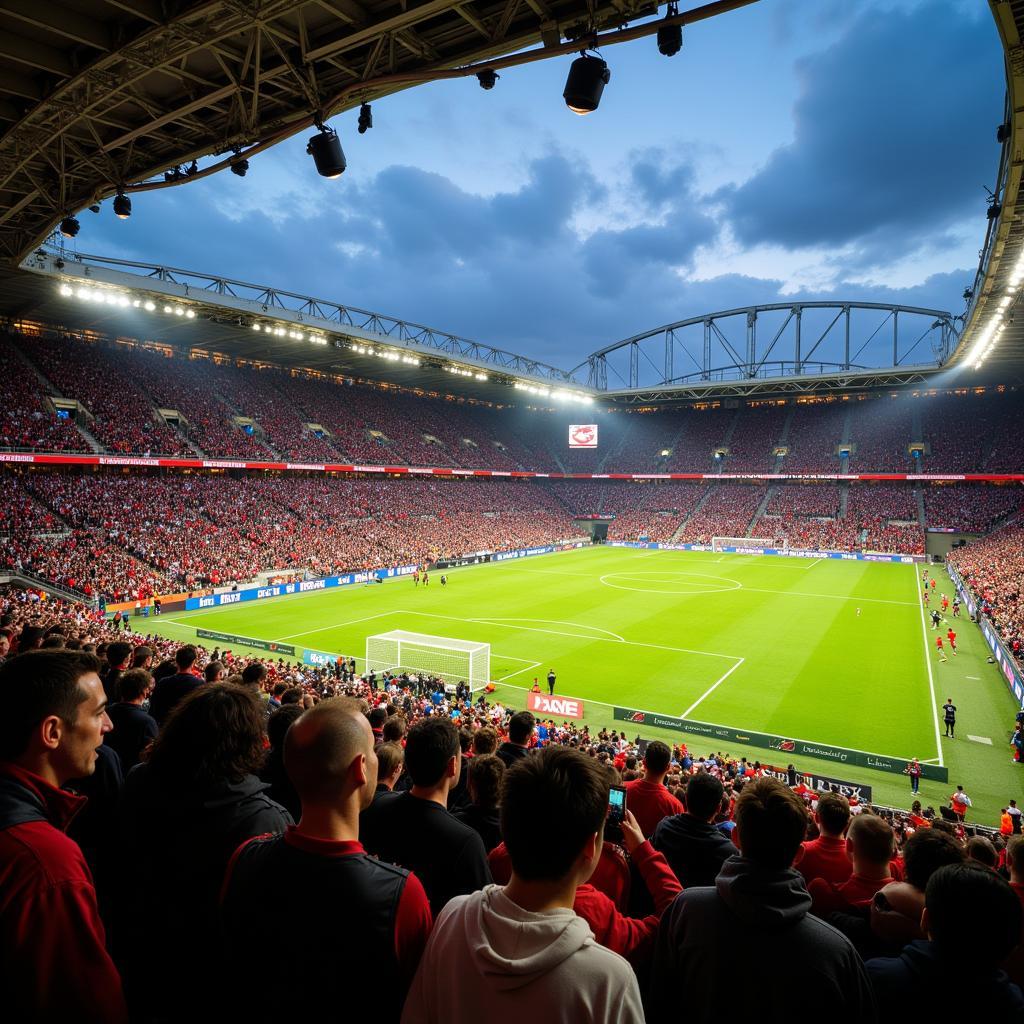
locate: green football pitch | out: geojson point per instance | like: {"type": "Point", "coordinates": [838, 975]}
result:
{"type": "Point", "coordinates": [827, 651]}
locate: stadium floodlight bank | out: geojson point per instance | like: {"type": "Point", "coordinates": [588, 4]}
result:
{"type": "Point", "coordinates": [417, 653]}
{"type": "Point", "coordinates": [723, 543]}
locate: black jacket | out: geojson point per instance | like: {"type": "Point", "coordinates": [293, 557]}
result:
{"type": "Point", "coordinates": [510, 753]}
{"type": "Point", "coordinates": [486, 823]}
{"type": "Point", "coordinates": [794, 959]}
{"type": "Point", "coordinates": [920, 974]}
{"type": "Point", "coordinates": [133, 730]}
{"type": "Point", "coordinates": [175, 843]}
{"type": "Point", "coordinates": [695, 849]}
{"type": "Point", "coordinates": [447, 856]}
{"type": "Point", "coordinates": [169, 691]}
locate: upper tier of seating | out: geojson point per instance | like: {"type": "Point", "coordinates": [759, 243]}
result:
{"type": "Point", "coordinates": [140, 401]}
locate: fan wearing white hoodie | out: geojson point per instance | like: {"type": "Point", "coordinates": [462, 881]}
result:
{"type": "Point", "coordinates": [519, 953]}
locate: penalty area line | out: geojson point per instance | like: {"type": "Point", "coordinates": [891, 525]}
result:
{"type": "Point", "coordinates": [711, 689]}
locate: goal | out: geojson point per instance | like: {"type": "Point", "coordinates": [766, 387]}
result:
{"type": "Point", "coordinates": [451, 660]}
{"type": "Point", "coordinates": [721, 543]}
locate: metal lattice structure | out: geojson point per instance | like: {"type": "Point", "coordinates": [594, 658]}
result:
{"type": "Point", "coordinates": [98, 96]}
{"type": "Point", "coordinates": [740, 346]}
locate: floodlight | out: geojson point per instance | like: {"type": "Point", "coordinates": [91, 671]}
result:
{"type": "Point", "coordinates": [122, 206]}
{"type": "Point", "coordinates": [670, 40]}
{"type": "Point", "coordinates": [487, 78]}
{"type": "Point", "coordinates": [240, 167]}
{"type": "Point", "coordinates": [365, 118]}
{"type": "Point", "coordinates": [69, 226]}
{"type": "Point", "coordinates": [588, 75]}
{"type": "Point", "coordinates": [325, 149]}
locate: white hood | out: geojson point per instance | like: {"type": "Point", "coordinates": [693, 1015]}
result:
{"type": "Point", "coordinates": [513, 947]}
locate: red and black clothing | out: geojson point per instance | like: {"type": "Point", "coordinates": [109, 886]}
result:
{"type": "Point", "coordinates": [824, 857]}
{"type": "Point", "coordinates": [351, 911]}
{"type": "Point", "coordinates": [649, 802]}
{"type": "Point", "coordinates": [54, 964]}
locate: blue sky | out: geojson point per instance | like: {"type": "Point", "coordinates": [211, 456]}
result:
{"type": "Point", "coordinates": [797, 148]}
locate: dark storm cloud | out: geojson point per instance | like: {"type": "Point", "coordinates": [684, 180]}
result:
{"type": "Point", "coordinates": [508, 269]}
{"type": "Point", "coordinates": [894, 135]}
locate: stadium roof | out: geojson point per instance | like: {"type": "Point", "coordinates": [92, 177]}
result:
{"type": "Point", "coordinates": [992, 332]}
{"type": "Point", "coordinates": [102, 95]}
{"type": "Point", "coordinates": [189, 310]}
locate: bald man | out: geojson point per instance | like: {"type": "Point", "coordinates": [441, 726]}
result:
{"type": "Point", "coordinates": [344, 912]}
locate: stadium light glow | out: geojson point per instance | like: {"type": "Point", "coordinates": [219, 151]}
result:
{"type": "Point", "coordinates": [256, 327]}
{"type": "Point", "coordinates": [67, 291]}
{"type": "Point", "coordinates": [167, 309]}
{"type": "Point", "coordinates": [190, 314]}
{"type": "Point", "coordinates": [150, 306]}
{"type": "Point", "coordinates": [588, 75]}
{"type": "Point", "coordinates": [325, 149]}
{"type": "Point", "coordinates": [178, 311]}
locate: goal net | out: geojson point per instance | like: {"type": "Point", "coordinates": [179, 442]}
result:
{"type": "Point", "coordinates": [721, 543]}
{"type": "Point", "coordinates": [423, 655]}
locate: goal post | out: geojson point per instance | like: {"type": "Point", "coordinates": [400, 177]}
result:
{"type": "Point", "coordinates": [419, 653]}
{"type": "Point", "coordinates": [721, 543]}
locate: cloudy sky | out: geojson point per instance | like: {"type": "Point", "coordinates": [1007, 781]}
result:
{"type": "Point", "coordinates": [797, 148]}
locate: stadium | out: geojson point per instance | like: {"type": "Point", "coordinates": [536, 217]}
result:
{"type": "Point", "coordinates": [757, 569]}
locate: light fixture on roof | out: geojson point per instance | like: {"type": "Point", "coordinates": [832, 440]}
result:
{"type": "Point", "coordinates": [240, 167]}
{"type": "Point", "coordinates": [69, 226]}
{"type": "Point", "coordinates": [365, 118]}
{"type": "Point", "coordinates": [122, 206]}
{"type": "Point", "coordinates": [325, 149]}
{"type": "Point", "coordinates": [487, 78]}
{"type": "Point", "coordinates": [588, 75]}
{"type": "Point", "coordinates": [670, 37]}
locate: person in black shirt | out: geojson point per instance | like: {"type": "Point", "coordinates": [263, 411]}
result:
{"type": "Point", "coordinates": [169, 691]}
{"type": "Point", "coordinates": [520, 730]}
{"type": "Point", "coordinates": [415, 830]}
{"type": "Point", "coordinates": [481, 815]}
{"type": "Point", "coordinates": [134, 727]}
{"type": "Point", "coordinates": [949, 711]}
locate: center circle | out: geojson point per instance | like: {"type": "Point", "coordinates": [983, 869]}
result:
{"type": "Point", "coordinates": [669, 582]}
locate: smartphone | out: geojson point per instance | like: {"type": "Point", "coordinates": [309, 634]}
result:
{"type": "Point", "coordinates": [616, 805]}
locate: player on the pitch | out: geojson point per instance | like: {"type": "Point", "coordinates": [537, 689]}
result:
{"type": "Point", "coordinates": [416, 577]}
{"type": "Point", "coordinates": [941, 652]}
{"type": "Point", "coordinates": [935, 618]}
{"type": "Point", "coordinates": [444, 580]}
{"type": "Point", "coordinates": [426, 577]}
{"type": "Point", "coordinates": [956, 608]}
{"type": "Point", "coordinates": [945, 603]}
{"type": "Point", "coordinates": [951, 637]}
{"type": "Point", "coordinates": [926, 597]}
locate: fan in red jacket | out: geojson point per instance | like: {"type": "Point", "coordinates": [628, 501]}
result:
{"type": "Point", "coordinates": [826, 857]}
{"type": "Point", "coordinates": [648, 798]}
{"type": "Point", "coordinates": [53, 959]}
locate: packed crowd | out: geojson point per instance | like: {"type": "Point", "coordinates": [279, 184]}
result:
{"type": "Point", "coordinates": [754, 438]}
{"type": "Point", "coordinates": [814, 433]}
{"type": "Point", "coordinates": [165, 808]}
{"type": "Point", "coordinates": [132, 535]}
{"type": "Point", "coordinates": [993, 568]}
{"type": "Point", "coordinates": [727, 511]}
{"type": "Point", "coordinates": [122, 415]}
{"type": "Point", "coordinates": [27, 420]}
{"type": "Point", "coordinates": [962, 507]}
{"type": "Point", "coordinates": [122, 386]}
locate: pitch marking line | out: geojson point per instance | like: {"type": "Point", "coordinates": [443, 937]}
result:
{"type": "Point", "coordinates": [931, 678]}
{"type": "Point", "coordinates": [711, 689]}
{"type": "Point", "coordinates": [531, 665]}
{"type": "Point", "coordinates": [987, 740]}
{"type": "Point", "coordinates": [556, 632]}
{"type": "Point", "coordinates": [977, 679]}
{"type": "Point", "coordinates": [334, 625]}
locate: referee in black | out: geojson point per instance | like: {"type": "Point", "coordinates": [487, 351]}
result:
{"type": "Point", "coordinates": [551, 681]}
{"type": "Point", "coordinates": [949, 709]}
